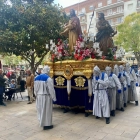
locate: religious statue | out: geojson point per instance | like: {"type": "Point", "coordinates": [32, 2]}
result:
{"type": "Point", "coordinates": [72, 29]}
{"type": "Point", "coordinates": [104, 35]}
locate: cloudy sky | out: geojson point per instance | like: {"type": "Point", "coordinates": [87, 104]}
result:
{"type": "Point", "coordinates": [66, 3]}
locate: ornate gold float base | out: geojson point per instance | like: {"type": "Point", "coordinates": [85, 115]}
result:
{"type": "Point", "coordinates": [77, 91]}
{"type": "Point", "coordinates": [70, 68]}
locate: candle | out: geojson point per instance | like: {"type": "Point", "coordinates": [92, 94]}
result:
{"type": "Point", "coordinates": [47, 46]}
{"type": "Point", "coordinates": [51, 41]}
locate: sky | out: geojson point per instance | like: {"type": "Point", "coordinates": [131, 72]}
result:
{"type": "Point", "coordinates": [66, 3]}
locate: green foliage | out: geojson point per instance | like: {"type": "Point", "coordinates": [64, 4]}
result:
{"type": "Point", "coordinates": [29, 27]}
{"type": "Point", "coordinates": [110, 55]}
{"type": "Point", "coordinates": [12, 60]}
{"type": "Point", "coordinates": [129, 33]}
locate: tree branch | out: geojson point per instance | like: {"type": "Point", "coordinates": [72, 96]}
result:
{"type": "Point", "coordinates": [24, 57]}
{"type": "Point", "coordinates": [38, 63]}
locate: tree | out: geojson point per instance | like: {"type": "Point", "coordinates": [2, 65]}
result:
{"type": "Point", "coordinates": [129, 34]}
{"type": "Point", "coordinates": [12, 60]}
{"type": "Point", "coordinates": [26, 28]}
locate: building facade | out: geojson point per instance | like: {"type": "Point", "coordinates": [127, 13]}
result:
{"type": "Point", "coordinates": [115, 11]}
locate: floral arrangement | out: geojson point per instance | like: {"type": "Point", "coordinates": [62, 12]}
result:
{"type": "Point", "coordinates": [82, 51]}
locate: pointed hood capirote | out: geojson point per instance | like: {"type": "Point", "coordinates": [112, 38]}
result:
{"type": "Point", "coordinates": [46, 69]}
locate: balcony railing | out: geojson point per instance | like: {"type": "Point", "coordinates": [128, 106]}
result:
{"type": "Point", "coordinates": [120, 3]}
{"type": "Point", "coordinates": [81, 13]}
{"type": "Point", "coordinates": [114, 24]}
{"type": "Point", "coordinates": [138, 8]}
{"type": "Point", "coordinates": [114, 14]}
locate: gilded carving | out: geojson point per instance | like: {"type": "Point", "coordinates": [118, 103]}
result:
{"type": "Point", "coordinates": [79, 81]}
{"type": "Point", "coordinates": [68, 68]}
{"type": "Point", "coordinates": [68, 72]}
{"type": "Point", "coordinates": [88, 73]}
{"type": "Point", "coordinates": [60, 81]}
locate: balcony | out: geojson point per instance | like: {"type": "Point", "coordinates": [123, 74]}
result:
{"type": "Point", "coordinates": [114, 24]}
{"type": "Point", "coordinates": [109, 6]}
{"type": "Point", "coordinates": [81, 14]}
{"type": "Point", "coordinates": [114, 15]}
{"type": "Point", "coordinates": [138, 8]}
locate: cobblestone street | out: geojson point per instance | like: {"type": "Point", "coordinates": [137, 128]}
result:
{"type": "Point", "coordinates": [18, 121]}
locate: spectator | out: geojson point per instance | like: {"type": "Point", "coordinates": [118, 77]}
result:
{"type": "Point", "coordinates": [30, 85]}
{"type": "Point", "coordinates": [22, 84]}
{"type": "Point", "coordinates": [12, 86]}
{"type": "Point", "coordinates": [2, 85]}
{"type": "Point", "coordinates": [12, 76]}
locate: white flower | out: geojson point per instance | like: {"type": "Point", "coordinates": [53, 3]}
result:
{"type": "Point", "coordinates": [82, 45]}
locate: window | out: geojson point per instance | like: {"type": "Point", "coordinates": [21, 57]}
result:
{"type": "Point", "coordinates": [109, 1]}
{"type": "Point", "coordinates": [119, 0]}
{"type": "Point", "coordinates": [119, 20]}
{"type": "Point", "coordinates": [100, 4]}
{"type": "Point", "coordinates": [130, 6]}
{"type": "Point", "coordinates": [109, 12]}
{"type": "Point", "coordinates": [91, 7]}
{"type": "Point", "coordinates": [83, 10]}
{"type": "Point", "coordinates": [83, 19]}
{"type": "Point", "coordinates": [139, 3]}
{"type": "Point", "coordinates": [75, 11]}
{"type": "Point", "coordinates": [119, 9]}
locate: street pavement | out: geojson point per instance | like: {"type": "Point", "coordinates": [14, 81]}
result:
{"type": "Point", "coordinates": [18, 121]}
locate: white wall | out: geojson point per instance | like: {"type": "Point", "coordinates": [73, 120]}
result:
{"type": "Point", "coordinates": [130, 9]}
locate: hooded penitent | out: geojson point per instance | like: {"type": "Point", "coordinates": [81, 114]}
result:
{"type": "Point", "coordinates": [108, 70]}
{"type": "Point", "coordinates": [46, 69]}
{"type": "Point", "coordinates": [116, 70]}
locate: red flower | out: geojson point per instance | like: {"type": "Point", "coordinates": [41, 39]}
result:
{"type": "Point", "coordinates": [76, 56]}
{"type": "Point", "coordinates": [81, 52]}
{"type": "Point", "coordinates": [53, 56]}
{"type": "Point", "coordinates": [92, 55]}
{"type": "Point", "coordinates": [80, 58]}
{"type": "Point", "coordinates": [103, 57]}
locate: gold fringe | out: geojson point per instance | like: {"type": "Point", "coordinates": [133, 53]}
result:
{"type": "Point", "coordinates": [79, 88]}
{"type": "Point", "coordinates": [67, 107]}
{"type": "Point", "coordinates": [60, 86]}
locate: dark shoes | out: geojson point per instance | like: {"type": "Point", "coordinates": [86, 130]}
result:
{"type": "Point", "coordinates": [29, 103]}
{"type": "Point", "coordinates": [136, 103]}
{"type": "Point", "coordinates": [97, 117]}
{"type": "Point", "coordinates": [125, 105]}
{"type": "Point", "coordinates": [3, 104]}
{"type": "Point", "coordinates": [66, 110]}
{"type": "Point", "coordinates": [122, 109]}
{"type": "Point", "coordinates": [113, 113]}
{"type": "Point", "coordinates": [107, 120]}
{"type": "Point", "coordinates": [86, 114]}
{"type": "Point", "coordinates": [47, 127]}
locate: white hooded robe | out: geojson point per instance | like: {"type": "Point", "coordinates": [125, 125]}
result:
{"type": "Point", "coordinates": [45, 95]}
{"type": "Point", "coordinates": [101, 103]}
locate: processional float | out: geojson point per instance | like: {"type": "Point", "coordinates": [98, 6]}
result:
{"type": "Point", "coordinates": [72, 62]}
